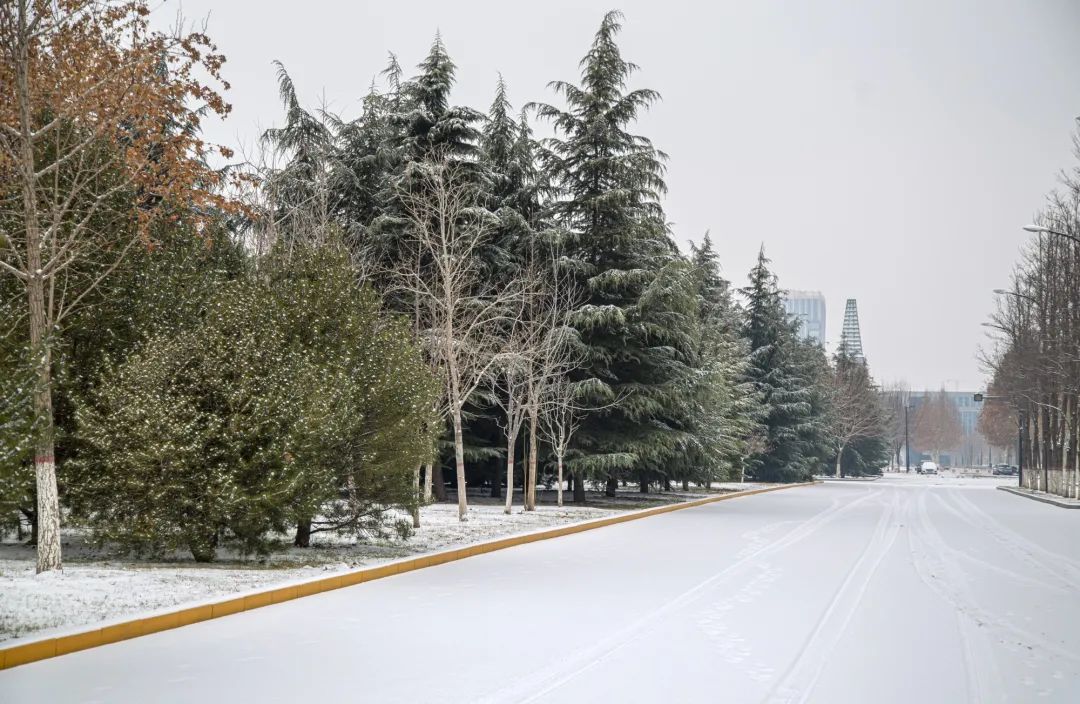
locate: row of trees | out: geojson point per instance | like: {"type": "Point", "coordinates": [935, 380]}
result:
{"type": "Point", "coordinates": [305, 341]}
{"type": "Point", "coordinates": [1035, 362]}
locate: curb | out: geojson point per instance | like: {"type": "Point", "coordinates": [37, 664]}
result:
{"type": "Point", "coordinates": [1060, 503]}
{"type": "Point", "coordinates": [50, 647]}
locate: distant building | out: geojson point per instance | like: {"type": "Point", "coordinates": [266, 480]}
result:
{"type": "Point", "coordinates": [973, 449]}
{"type": "Point", "coordinates": [808, 307]}
{"type": "Point", "coordinates": [850, 335]}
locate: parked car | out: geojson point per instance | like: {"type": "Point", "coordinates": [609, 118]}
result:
{"type": "Point", "coordinates": [928, 467]}
{"type": "Point", "coordinates": [1006, 470]}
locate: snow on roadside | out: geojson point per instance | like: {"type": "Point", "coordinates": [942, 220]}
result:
{"type": "Point", "coordinates": [96, 586]}
{"type": "Point", "coordinates": [89, 592]}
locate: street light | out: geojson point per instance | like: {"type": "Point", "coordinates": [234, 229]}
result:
{"type": "Point", "coordinates": [1043, 230]}
{"type": "Point", "coordinates": [1017, 294]}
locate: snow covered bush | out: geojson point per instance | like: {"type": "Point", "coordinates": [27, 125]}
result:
{"type": "Point", "coordinates": [294, 396]}
{"type": "Point", "coordinates": [16, 424]}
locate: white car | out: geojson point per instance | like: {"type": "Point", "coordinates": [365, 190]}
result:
{"type": "Point", "coordinates": [928, 467]}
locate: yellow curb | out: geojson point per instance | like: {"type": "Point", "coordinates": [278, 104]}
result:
{"type": "Point", "coordinates": [224, 608]}
{"type": "Point", "coordinates": [119, 631]}
{"type": "Point", "coordinates": [79, 641]}
{"type": "Point", "coordinates": [60, 645]}
{"type": "Point", "coordinates": [195, 614]}
{"type": "Point", "coordinates": [30, 652]}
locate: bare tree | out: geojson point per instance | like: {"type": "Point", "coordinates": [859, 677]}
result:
{"type": "Point", "coordinates": [463, 316]}
{"type": "Point", "coordinates": [937, 424]}
{"type": "Point", "coordinates": [96, 140]}
{"type": "Point", "coordinates": [855, 410]}
{"type": "Point", "coordinates": [510, 387]}
{"type": "Point", "coordinates": [896, 397]}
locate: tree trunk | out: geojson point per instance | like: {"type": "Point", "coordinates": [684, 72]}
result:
{"type": "Point", "coordinates": [686, 485]}
{"type": "Point", "coordinates": [203, 549]}
{"type": "Point", "coordinates": [427, 482]}
{"type": "Point", "coordinates": [416, 493]}
{"type": "Point", "coordinates": [303, 533]}
{"type": "Point", "coordinates": [839, 454]}
{"type": "Point", "coordinates": [559, 483]}
{"type": "Point", "coordinates": [530, 474]}
{"type": "Point", "coordinates": [48, 502]}
{"type": "Point", "coordinates": [438, 484]}
{"type": "Point", "coordinates": [643, 483]}
{"type": "Point", "coordinates": [459, 461]}
{"type": "Point", "coordinates": [510, 449]}
{"type": "Point", "coordinates": [667, 483]}
{"type": "Point", "coordinates": [579, 488]}
{"type": "Point", "coordinates": [612, 487]}
{"type": "Point", "coordinates": [495, 477]}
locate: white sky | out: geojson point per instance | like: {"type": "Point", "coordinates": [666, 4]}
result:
{"type": "Point", "coordinates": [888, 151]}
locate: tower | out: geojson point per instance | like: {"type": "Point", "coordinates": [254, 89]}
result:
{"type": "Point", "coordinates": [850, 337]}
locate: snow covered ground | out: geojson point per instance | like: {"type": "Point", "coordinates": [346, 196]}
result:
{"type": "Point", "coordinates": [96, 586]}
{"type": "Point", "coordinates": [905, 589]}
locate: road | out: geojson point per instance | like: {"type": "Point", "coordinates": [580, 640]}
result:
{"type": "Point", "coordinates": [900, 590]}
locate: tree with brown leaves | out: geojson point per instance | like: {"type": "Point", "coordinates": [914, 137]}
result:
{"type": "Point", "coordinates": [99, 134]}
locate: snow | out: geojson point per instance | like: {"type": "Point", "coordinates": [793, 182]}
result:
{"type": "Point", "coordinates": [906, 589]}
{"type": "Point", "coordinates": [96, 586]}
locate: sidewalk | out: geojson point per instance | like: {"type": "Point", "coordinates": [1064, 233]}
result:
{"type": "Point", "coordinates": [1053, 499]}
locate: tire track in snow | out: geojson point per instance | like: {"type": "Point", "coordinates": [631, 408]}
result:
{"type": "Point", "coordinates": [546, 680]}
{"type": "Point", "coordinates": [803, 673]}
{"type": "Point", "coordinates": [1066, 587]}
{"type": "Point", "coordinates": [1060, 566]}
{"type": "Point", "coordinates": [976, 625]}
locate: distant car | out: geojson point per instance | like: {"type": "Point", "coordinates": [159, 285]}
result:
{"type": "Point", "coordinates": [928, 467]}
{"type": "Point", "coordinates": [1006, 470]}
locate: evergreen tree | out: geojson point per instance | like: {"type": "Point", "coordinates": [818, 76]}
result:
{"type": "Point", "coordinates": [289, 393]}
{"type": "Point", "coordinates": [430, 124]}
{"type": "Point", "coordinates": [621, 255]}
{"type": "Point", "coordinates": [300, 191]}
{"type": "Point", "coordinates": [726, 404]}
{"type": "Point", "coordinates": [777, 373]}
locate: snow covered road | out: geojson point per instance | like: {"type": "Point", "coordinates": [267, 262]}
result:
{"type": "Point", "coordinates": [901, 590]}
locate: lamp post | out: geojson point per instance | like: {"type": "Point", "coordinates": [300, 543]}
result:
{"type": "Point", "coordinates": [1043, 230]}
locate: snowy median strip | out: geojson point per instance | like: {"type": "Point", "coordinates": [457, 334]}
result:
{"type": "Point", "coordinates": [41, 646]}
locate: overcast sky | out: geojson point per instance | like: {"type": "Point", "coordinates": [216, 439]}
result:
{"type": "Point", "coordinates": [887, 151]}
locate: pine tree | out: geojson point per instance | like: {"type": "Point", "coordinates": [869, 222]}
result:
{"type": "Point", "coordinates": [777, 376]}
{"type": "Point", "coordinates": [300, 190]}
{"type": "Point", "coordinates": [430, 124]}
{"type": "Point", "coordinates": [726, 405]}
{"type": "Point", "coordinates": [620, 253]}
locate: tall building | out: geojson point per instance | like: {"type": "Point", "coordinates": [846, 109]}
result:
{"type": "Point", "coordinates": [850, 336]}
{"type": "Point", "coordinates": [808, 307]}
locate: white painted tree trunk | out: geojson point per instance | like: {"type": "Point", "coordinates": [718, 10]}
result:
{"type": "Point", "coordinates": [510, 449]}
{"type": "Point", "coordinates": [459, 460]}
{"type": "Point", "coordinates": [559, 484]}
{"type": "Point", "coordinates": [530, 475]}
{"type": "Point", "coordinates": [839, 455]}
{"type": "Point", "coordinates": [428, 480]}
